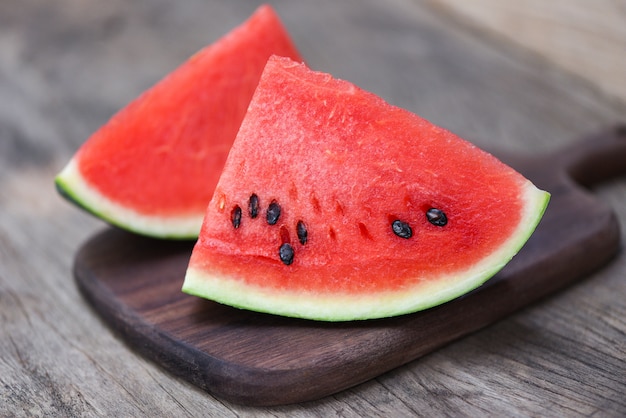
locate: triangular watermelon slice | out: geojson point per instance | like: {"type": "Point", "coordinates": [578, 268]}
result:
{"type": "Point", "coordinates": [334, 205]}
{"type": "Point", "coordinates": [153, 167]}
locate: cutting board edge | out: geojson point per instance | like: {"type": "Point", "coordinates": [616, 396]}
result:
{"type": "Point", "coordinates": [225, 380]}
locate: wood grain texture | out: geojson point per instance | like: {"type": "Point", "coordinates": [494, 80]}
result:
{"type": "Point", "coordinates": [585, 39]}
{"type": "Point", "coordinates": [66, 66]}
{"type": "Point", "coordinates": [256, 359]}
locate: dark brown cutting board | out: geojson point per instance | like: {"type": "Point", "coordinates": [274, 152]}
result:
{"type": "Point", "coordinates": [249, 358]}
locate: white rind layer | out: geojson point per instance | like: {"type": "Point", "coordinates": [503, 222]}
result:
{"type": "Point", "coordinates": [339, 307]}
{"type": "Point", "coordinates": [72, 184]}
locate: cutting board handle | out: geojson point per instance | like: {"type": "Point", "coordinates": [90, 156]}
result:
{"type": "Point", "coordinates": [597, 158]}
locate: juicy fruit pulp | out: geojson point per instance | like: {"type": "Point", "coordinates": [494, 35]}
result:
{"type": "Point", "coordinates": [380, 212]}
{"type": "Point", "coordinates": [153, 167]}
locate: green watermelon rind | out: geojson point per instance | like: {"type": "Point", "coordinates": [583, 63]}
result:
{"type": "Point", "coordinates": [346, 307]}
{"type": "Point", "coordinates": [73, 187]}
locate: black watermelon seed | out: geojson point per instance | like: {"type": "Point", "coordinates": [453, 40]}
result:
{"type": "Point", "coordinates": [401, 229]}
{"type": "Point", "coordinates": [273, 213]}
{"type": "Point", "coordinates": [253, 205]}
{"type": "Point", "coordinates": [235, 216]}
{"type": "Point", "coordinates": [303, 234]}
{"type": "Point", "coordinates": [436, 217]}
{"type": "Point", "coordinates": [285, 253]}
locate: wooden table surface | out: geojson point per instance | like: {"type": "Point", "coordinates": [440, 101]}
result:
{"type": "Point", "coordinates": [66, 66]}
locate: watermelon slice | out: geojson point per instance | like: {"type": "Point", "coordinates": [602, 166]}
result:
{"type": "Point", "coordinates": [335, 205]}
{"type": "Point", "coordinates": [153, 167]}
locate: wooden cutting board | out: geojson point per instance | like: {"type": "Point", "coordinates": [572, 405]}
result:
{"type": "Point", "coordinates": [258, 359]}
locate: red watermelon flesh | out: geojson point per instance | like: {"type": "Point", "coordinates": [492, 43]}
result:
{"type": "Point", "coordinates": [153, 167]}
{"type": "Point", "coordinates": [346, 169]}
